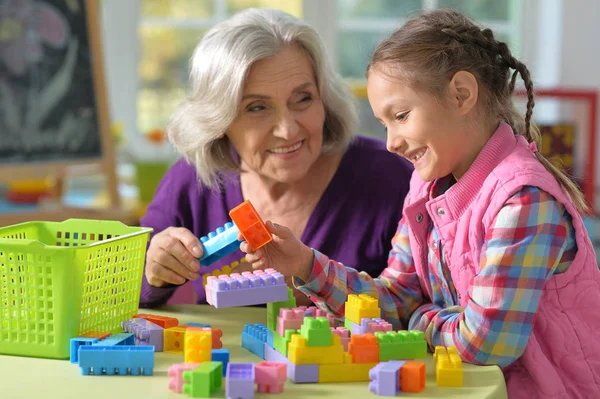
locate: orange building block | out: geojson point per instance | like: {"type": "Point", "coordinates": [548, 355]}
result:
{"type": "Point", "coordinates": [164, 322]}
{"type": "Point", "coordinates": [96, 334]}
{"type": "Point", "coordinates": [412, 376]}
{"type": "Point", "coordinates": [250, 225]}
{"type": "Point", "coordinates": [364, 349]}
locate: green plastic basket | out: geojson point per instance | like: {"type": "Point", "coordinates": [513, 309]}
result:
{"type": "Point", "coordinates": [61, 280]}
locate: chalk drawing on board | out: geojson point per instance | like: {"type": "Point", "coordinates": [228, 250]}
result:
{"type": "Point", "coordinates": [45, 73]}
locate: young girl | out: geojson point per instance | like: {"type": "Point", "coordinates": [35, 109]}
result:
{"type": "Point", "coordinates": [491, 254]}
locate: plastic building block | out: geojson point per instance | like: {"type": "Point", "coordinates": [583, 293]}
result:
{"type": "Point", "coordinates": [146, 332]}
{"type": "Point", "coordinates": [300, 353]}
{"type": "Point", "coordinates": [118, 339]}
{"type": "Point", "coordinates": [250, 225]}
{"type": "Point", "coordinates": [120, 359]}
{"type": "Point", "coordinates": [298, 373]}
{"type": "Point", "coordinates": [219, 243]}
{"type": "Point", "coordinates": [281, 344]}
{"type": "Point", "coordinates": [96, 334]}
{"type": "Point", "coordinates": [174, 339]}
{"type": "Point", "coordinates": [401, 345]}
{"type": "Point", "coordinates": [316, 331]}
{"type": "Point", "coordinates": [246, 289]}
{"type": "Point", "coordinates": [448, 367]}
{"type": "Point", "coordinates": [76, 343]}
{"type": "Point", "coordinates": [271, 338]}
{"type": "Point", "coordinates": [370, 326]}
{"type": "Point", "coordinates": [344, 335]}
{"type": "Point", "coordinates": [313, 311]}
{"type": "Point", "coordinates": [240, 381]}
{"type": "Point", "coordinates": [345, 372]}
{"type": "Point", "coordinates": [385, 378]}
{"type": "Point", "coordinates": [360, 307]}
{"type": "Point", "coordinates": [221, 355]}
{"type": "Point", "coordinates": [197, 347]}
{"type": "Point", "coordinates": [216, 334]}
{"type": "Point", "coordinates": [225, 270]}
{"type": "Point", "coordinates": [254, 338]}
{"type": "Point", "coordinates": [270, 376]}
{"type": "Point", "coordinates": [289, 319]}
{"type": "Point", "coordinates": [176, 375]}
{"type": "Point", "coordinates": [274, 307]}
{"type": "Point", "coordinates": [164, 322]}
{"type": "Point", "coordinates": [363, 349]}
{"type": "Point", "coordinates": [204, 380]}
{"type": "Point", "coordinates": [412, 376]}
{"type": "Point", "coordinates": [197, 325]}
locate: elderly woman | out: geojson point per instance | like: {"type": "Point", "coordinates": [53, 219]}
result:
{"type": "Point", "coordinates": [268, 121]}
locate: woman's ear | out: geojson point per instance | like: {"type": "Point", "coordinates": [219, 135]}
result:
{"type": "Point", "coordinates": [464, 91]}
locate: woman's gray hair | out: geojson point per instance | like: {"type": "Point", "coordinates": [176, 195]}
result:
{"type": "Point", "coordinates": [218, 70]}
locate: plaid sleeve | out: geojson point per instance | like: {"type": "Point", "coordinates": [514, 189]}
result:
{"type": "Point", "coordinates": [398, 288]}
{"type": "Point", "coordinates": [531, 235]}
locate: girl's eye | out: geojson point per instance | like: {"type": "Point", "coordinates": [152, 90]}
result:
{"type": "Point", "coordinates": [402, 116]}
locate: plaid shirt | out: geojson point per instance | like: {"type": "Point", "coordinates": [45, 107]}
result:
{"type": "Point", "coordinates": [532, 239]}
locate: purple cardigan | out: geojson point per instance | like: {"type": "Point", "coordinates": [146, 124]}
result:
{"type": "Point", "coordinates": [353, 222]}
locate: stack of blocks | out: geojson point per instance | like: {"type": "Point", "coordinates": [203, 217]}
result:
{"type": "Point", "coordinates": [248, 288]}
{"type": "Point", "coordinates": [389, 378]}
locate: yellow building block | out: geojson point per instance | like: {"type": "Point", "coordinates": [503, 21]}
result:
{"type": "Point", "coordinates": [300, 353]}
{"type": "Point", "coordinates": [360, 307]}
{"type": "Point", "coordinates": [448, 367]}
{"type": "Point", "coordinates": [174, 339]}
{"type": "Point", "coordinates": [198, 346]}
{"type": "Point", "coordinates": [219, 272]}
{"type": "Point", "coordinates": [346, 372]}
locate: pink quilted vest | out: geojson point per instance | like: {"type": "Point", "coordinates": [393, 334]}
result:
{"type": "Point", "coordinates": [562, 357]}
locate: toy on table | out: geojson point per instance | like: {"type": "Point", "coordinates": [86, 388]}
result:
{"type": "Point", "coordinates": [223, 241]}
{"type": "Point", "coordinates": [448, 367]}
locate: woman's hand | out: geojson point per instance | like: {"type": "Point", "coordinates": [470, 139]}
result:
{"type": "Point", "coordinates": [172, 257]}
{"type": "Point", "coordinates": [286, 253]}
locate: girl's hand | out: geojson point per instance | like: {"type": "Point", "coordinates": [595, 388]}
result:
{"type": "Point", "coordinates": [286, 253]}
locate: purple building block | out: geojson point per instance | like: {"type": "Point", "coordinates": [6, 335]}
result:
{"type": "Point", "coordinates": [145, 332]}
{"type": "Point", "coordinates": [385, 378]}
{"type": "Point", "coordinates": [370, 326]}
{"type": "Point", "coordinates": [246, 289]}
{"type": "Point", "coordinates": [240, 381]}
{"type": "Point", "coordinates": [298, 373]}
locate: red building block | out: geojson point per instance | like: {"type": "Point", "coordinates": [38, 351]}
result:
{"type": "Point", "coordinates": [363, 349]}
{"type": "Point", "coordinates": [164, 322]}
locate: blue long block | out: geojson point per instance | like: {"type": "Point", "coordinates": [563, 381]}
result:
{"type": "Point", "coordinates": [76, 343]}
{"type": "Point", "coordinates": [127, 339]}
{"type": "Point", "coordinates": [116, 360]}
{"type": "Point", "coordinates": [219, 243]}
{"type": "Point", "coordinates": [270, 338]}
{"type": "Point", "coordinates": [221, 355]}
{"type": "Point", "coordinates": [254, 339]}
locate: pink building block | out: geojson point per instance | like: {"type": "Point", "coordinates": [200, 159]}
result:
{"type": "Point", "coordinates": [176, 374]}
{"type": "Point", "coordinates": [371, 326]}
{"type": "Point", "coordinates": [289, 319]}
{"type": "Point", "coordinates": [344, 335]}
{"type": "Point", "coordinates": [270, 376]}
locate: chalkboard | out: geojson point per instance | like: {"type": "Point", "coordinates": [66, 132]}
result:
{"type": "Point", "coordinates": [49, 88]}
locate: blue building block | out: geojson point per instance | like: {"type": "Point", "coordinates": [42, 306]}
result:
{"type": "Point", "coordinates": [219, 243]}
{"type": "Point", "coordinates": [117, 339]}
{"type": "Point", "coordinates": [120, 359]}
{"type": "Point", "coordinates": [198, 325]}
{"type": "Point", "coordinates": [270, 338]}
{"type": "Point", "coordinates": [221, 355]}
{"type": "Point", "coordinates": [254, 339]}
{"type": "Point", "coordinates": [76, 343]}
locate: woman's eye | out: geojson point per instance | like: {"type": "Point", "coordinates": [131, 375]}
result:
{"type": "Point", "coordinates": [255, 108]}
{"type": "Point", "coordinates": [305, 99]}
{"type": "Point", "coordinates": [402, 116]}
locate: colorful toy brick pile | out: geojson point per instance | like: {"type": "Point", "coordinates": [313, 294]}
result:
{"type": "Point", "coordinates": [302, 344]}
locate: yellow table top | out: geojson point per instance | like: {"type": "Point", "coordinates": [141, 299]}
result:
{"type": "Point", "coordinates": [22, 377]}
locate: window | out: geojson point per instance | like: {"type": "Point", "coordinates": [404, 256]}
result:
{"type": "Point", "coordinates": [168, 32]}
{"type": "Point", "coordinates": [170, 29]}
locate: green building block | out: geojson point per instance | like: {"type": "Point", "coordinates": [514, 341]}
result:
{"type": "Point", "coordinates": [203, 381]}
{"type": "Point", "coordinates": [273, 309]}
{"type": "Point", "coordinates": [281, 343]}
{"type": "Point", "coordinates": [348, 324]}
{"type": "Point", "coordinates": [316, 331]}
{"type": "Point", "coordinates": [401, 345]}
